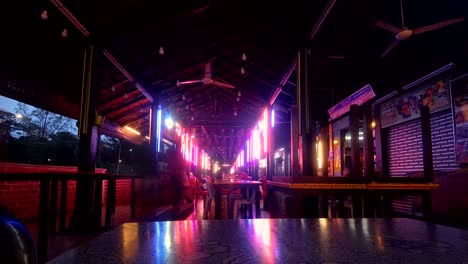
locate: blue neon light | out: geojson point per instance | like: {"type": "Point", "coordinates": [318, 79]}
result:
{"type": "Point", "coordinates": [158, 129]}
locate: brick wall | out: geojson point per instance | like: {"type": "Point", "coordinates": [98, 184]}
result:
{"type": "Point", "coordinates": [123, 194]}
{"type": "Point", "coordinates": [22, 197]}
{"type": "Point", "coordinates": [405, 145]}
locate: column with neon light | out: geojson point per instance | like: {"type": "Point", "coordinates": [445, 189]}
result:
{"type": "Point", "coordinates": [154, 132]}
{"type": "Point", "coordinates": [268, 141]}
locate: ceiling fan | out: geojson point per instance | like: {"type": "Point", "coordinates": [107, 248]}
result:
{"type": "Point", "coordinates": [207, 79]}
{"type": "Point", "coordinates": [405, 33]}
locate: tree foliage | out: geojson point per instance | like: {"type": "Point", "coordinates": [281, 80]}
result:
{"type": "Point", "coordinates": [41, 123]}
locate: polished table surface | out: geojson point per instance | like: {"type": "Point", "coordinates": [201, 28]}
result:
{"type": "Point", "coordinates": [396, 240]}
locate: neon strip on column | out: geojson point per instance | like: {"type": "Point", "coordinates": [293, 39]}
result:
{"type": "Point", "coordinates": [203, 160]}
{"type": "Point", "coordinates": [257, 145]}
{"type": "Point", "coordinates": [320, 155]}
{"type": "Point", "coordinates": [248, 150]}
{"type": "Point", "coordinates": [158, 129]}
{"type": "Point", "coordinates": [272, 117]}
{"type": "Point", "coordinates": [187, 145]}
{"type": "Point", "coordinates": [196, 156]}
{"type": "Point", "coordinates": [150, 123]}
{"type": "Point", "coordinates": [265, 130]}
{"type": "Point", "coordinates": [182, 146]}
{"type": "Point", "coordinates": [190, 151]}
{"type": "Point", "coordinates": [242, 158]}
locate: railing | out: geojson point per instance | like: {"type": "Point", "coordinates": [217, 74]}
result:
{"type": "Point", "coordinates": [365, 193]}
{"type": "Point", "coordinates": [48, 194]}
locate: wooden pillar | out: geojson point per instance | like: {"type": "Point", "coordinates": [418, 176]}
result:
{"type": "Point", "coordinates": [43, 225]}
{"type": "Point", "coordinates": [427, 143]}
{"type": "Point", "coordinates": [369, 171]}
{"type": "Point", "coordinates": [88, 139]}
{"type": "Point", "coordinates": [307, 154]}
{"type": "Point", "coordinates": [379, 154]}
{"type": "Point", "coordinates": [154, 141]}
{"type": "Point", "coordinates": [53, 205]}
{"type": "Point", "coordinates": [357, 204]}
{"type": "Point", "coordinates": [63, 205]}
{"type": "Point", "coordinates": [294, 165]}
{"type": "Point", "coordinates": [355, 151]}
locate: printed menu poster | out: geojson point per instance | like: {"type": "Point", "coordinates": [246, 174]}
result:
{"type": "Point", "coordinates": [406, 107]}
{"type": "Point", "coordinates": [461, 128]}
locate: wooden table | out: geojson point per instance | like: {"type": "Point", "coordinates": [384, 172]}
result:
{"type": "Point", "coordinates": [364, 240]}
{"type": "Point", "coordinates": [235, 184]}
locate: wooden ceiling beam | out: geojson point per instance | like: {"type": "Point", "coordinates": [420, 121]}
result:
{"type": "Point", "coordinates": [142, 103]}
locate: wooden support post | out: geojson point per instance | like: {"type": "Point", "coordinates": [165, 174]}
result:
{"type": "Point", "coordinates": [370, 201]}
{"type": "Point", "coordinates": [63, 205]}
{"type": "Point", "coordinates": [325, 137]}
{"type": "Point", "coordinates": [88, 141]}
{"type": "Point", "coordinates": [357, 205]}
{"type": "Point", "coordinates": [97, 213]}
{"type": "Point", "coordinates": [427, 205]}
{"type": "Point", "coordinates": [379, 153]}
{"type": "Point", "coordinates": [324, 206]}
{"type": "Point", "coordinates": [294, 142]}
{"type": "Point", "coordinates": [53, 205]}
{"type": "Point", "coordinates": [43, 225]}
{"type": "Point", "coordinates": [369, 171]}
{"type": "Point", "coordinates": [355, 149]}
{"type": "Point", "coordinates": [427, 144]}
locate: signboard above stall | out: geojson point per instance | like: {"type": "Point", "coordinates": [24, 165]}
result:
{"type": "Point", "coordinates": [435, 95]}
{"type": "Point", "coordinates": [358, 98]}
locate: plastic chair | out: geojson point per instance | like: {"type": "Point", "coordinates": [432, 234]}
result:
{"type": "Point", "coordinates": [249, 200]}
{"type": "Point", "coordinates": [211, 197]}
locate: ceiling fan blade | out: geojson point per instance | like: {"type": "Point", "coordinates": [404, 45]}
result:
{"type": "Point", "coordinates": [190, 82]}
{"type": "Point", "coordinates": [224, 85]}
{"type": "Point", "coordinates": [388, 27]}
{"type": "Point", "coordinates": [389, 48]}
{"type": "Point", "coordinates": [438, 25]}
{"type": "Point", "coordinates": [208, 70]}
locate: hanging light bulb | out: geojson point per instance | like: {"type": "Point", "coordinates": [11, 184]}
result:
{"type": "Point", "coordinates": [183, 96]}
{"type": "Point", "coordinates": [242, 70]}
{"type": "Point", "coordinates": [113, 88]}
{"type": "Point", "coordinates": [235, 113]}
{"type": "Point", "coordinates": [244, 57]}
{"type": "Point", "coordinates": [238, 99]}
{"type": "Point", "coordinates": [239, 94]}
{"type": "Point", "coordinates": [44, 15]}
{"type": "Point", "coordinates": [64, 33]}
{"type": "Point", "coordinates": [187, 107]}
{"type": "Point", "coordinates": [177, 83]}
{"type": "Point", "coordinates": [161, 50]}
{"type": "Point", "coordinates": [193, 118]}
